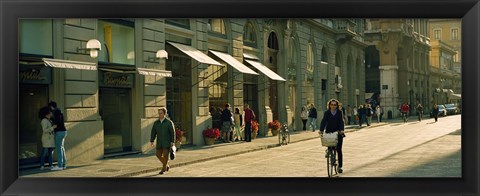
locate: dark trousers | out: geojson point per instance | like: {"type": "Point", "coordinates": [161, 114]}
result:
{"type": "Point", "coordinates": [304, 121]}
{"type": "Point", "coordinates": [339, 150]}
{"type": "Point", "coordinates": [349, 118]}
{"type": "Point", "coordinates": [248, 132]}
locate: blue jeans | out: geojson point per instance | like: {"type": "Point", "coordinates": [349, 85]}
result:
{"type": "Point", "coordinates": [50, 156]}
{"type": "Point", "coordinates": [59, 142]}
{"type": "Point", "coordinates": [312, 122]}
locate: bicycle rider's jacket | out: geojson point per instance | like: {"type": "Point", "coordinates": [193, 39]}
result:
{"type": "Point", "coordinates": [332, 123]}
{"type": "Point", "coordinates": [405, 108]}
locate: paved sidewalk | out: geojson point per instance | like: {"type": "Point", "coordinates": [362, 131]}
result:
{"type": "Point", "coordinates": [133, 165]}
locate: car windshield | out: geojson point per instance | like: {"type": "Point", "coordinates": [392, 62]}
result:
{"type": "Point", "coordinates": [441, 107]}
{"type": "Point", "coordinates": [449, 105]}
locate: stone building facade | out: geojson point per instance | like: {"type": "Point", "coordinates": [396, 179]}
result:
{"type": "Point", "coordinates": [110, 102]}
{"type": "Point", "coordinates": [398, 57]}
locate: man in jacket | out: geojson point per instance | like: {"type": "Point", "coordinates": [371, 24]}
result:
{"type": "Point", "coordinates": [60, 134]}
{"type": "Point", "coordinates": [312, 117]}
{"type": "Point", "coordinates": [164, 131]}
{"type": "Point", "coordinates": [249, 116]}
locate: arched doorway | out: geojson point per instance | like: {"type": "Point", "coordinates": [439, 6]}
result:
{"type": "Point", "coordinates": [272, 52]}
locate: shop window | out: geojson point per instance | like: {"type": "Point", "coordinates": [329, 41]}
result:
{"type": "Point", "coordinates": [184, 23]}
{"type": "Point", "coordinates": [36, 36]}
{"type": "Point", "coordinates": [118, 42]}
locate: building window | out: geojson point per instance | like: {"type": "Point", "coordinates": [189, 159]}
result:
{"type": "Point", "coordinates": [249, 36]}
{"type": "Point", "coordinates": [217, 26]}
{"type": "Point", "coordinates": [36, 37]}
{"type": "Point", "coordinates": [184, 23]}
{"type": "Point", "coordinates": [454, 34]}
{"type": "Point", "coordinates": [437, 34]}
{"type": "Point", "coordinates": [118, 39]}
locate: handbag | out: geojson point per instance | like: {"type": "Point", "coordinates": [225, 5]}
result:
{"type": "Point", "coordinates": [173, 152]}
{"type": "Point", "coordinates": [329, 139]}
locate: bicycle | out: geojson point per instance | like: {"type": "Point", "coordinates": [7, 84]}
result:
{"type": "Point", "coordinates": [404, 117]}
{"type": "Point", "coordinates": [330, 140]}
{"type": "Point", "coordinates": [284, 135]}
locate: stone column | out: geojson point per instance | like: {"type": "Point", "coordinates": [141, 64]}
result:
{"type": "Point", "coordinates": [388, 48]}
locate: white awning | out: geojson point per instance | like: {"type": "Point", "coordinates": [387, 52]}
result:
{"type": "Point", "coordinates": [455, 96]}
{"type": "Point", "coordinates": [264, 69]}
{"type": "Point", "coordinates": [233, 62]}
{"type": "Point", "coordinates": [59, 63]}
{"type": "Point", "coordinates": [250, 56]}
{"type": "Point", "coordinates": [195, 54]}
{"type": "Point", "coordinates": [116, 70]}
{"type": "Point", "coordinates": [154, 72]}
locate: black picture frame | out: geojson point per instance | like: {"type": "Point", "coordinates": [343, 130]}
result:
{"type": "Point", "coordinates": [11, 11]}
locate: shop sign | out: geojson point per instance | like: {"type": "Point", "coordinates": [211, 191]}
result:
{"type": "Point", "coordinates": [36, 75]}
{"type": "Point", "coordinates": [111, 79]}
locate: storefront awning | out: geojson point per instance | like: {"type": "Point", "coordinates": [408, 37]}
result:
{"type": "Point", "coordinates": [154, 72]}
{"type": "Point", "coordinates": [264, 69]}
{"type": "Point", "coordinates": [250, 56]}
{"type": "Point", "coordinates": [59, 63]}
{"type": "Point", "coordinates": [233, 62]}
{"type": "Point", "coordinates": [195, 54]}
{"type": "Point", "coordinates": [455, 96]}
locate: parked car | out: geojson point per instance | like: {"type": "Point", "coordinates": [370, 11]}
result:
{"type": "Point", "coordinates": [441, 111]}
{"type": "Point", "coordinates": [451, 108]}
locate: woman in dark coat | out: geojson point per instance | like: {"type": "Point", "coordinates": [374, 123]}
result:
{"type": "Point", "coordinates": [333, 121]}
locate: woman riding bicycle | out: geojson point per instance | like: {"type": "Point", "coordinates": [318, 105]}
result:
{"type": "Point", "coordinates": [333, 121]}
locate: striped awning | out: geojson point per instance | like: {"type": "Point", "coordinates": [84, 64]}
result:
{"type": "Point", "coordinates": [265, 70]}
{"type": "Point", "coordinates": [195, 54]}
{"type": "Point", "coordinates": [59, 63]}
{"type": "Point", "coordinates": [233, 62]}
{"type": "Point", "coordinates": [154, 72]}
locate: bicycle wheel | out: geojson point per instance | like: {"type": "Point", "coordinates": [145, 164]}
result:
{"type": "Point", "coordinates": [288, 137]}
{"type": "Point", "coordinates": [280, 138]}
{"type": "Point", "coordinates": [334, 161]}
{"type": "Point", "coordinates": [329, 162]}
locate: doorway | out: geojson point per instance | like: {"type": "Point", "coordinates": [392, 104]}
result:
{"type": "Point", "coordinates": [31, 99]}
{"type": "Point", "coordinates": [115, 109]}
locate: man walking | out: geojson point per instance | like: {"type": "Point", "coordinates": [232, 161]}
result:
{"type": "Point", "coordinates": [312, 117]}
{"type": "Point", "coordinates": [249, 116]}
{"type": "Point", "coordinates": [164, 131]}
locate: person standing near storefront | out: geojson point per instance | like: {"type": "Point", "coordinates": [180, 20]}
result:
{"type": "Point", "coordinates": [237, 133]}
{"type": "Point", "coordinates": [355, 115]}
{"type": "Point", "coordinates": [164, 131]}
{"type": "Point", "coordinates": [312, 117]}
{"type": "Point", "coordinates": [249, 116]}
{"type": "Point", "coordinates": [60, 135]}
{"type": "Point", "coordinates": [349, 114]}
{"type": "Point", "coordinates": [227, 123]}
{"type": "Point", "coordinates": [378, 111]}
{"type": "Point", "coordinates": [369, 112]}
{"type": "Point", "coordinates": [48, 137]}
{"type": "Point", "coordinates": [304, 117]}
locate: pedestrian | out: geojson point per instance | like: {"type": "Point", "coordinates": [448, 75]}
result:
{"type": "Point", "coordinates": [381, 112]}
{"type": "Point", "coordinates": [304, 117]}
{"type": "Point", "coordinates": [312, 117]}
{"type": "Point", "coordinates": [237, 133]}
{"type": "Point", "coordinates": [420, 112]}
{"type": "Point", "coordinates": [435, 112]}
{"type": "Point", "coordinates": [332, 121]}
{"type": "Point", "coordinates": [163, 131]}
{"type": "Point", "coordinates": [249, 116]}
{"type": "Point", "coordinates": [378, 111]}
{"type": "Point", "coordinates": [362, 112]}
{"type": "Point", "coordinates": [405, 108]}
{"type": "Point", "coordinates": [349, 114]}
{"type": "Point", "coordinates": [48, 137]}
{"type": "Point", "coordinates": [355, 115]}
{"type": "Point", "coordinates": [227, 123]}
{"type": "Point", "coordinates": [369, 113]}
{"type": "Point", "coordinates": [341, 108]}
{"type": "Point", "coordinates": [60, 135]}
